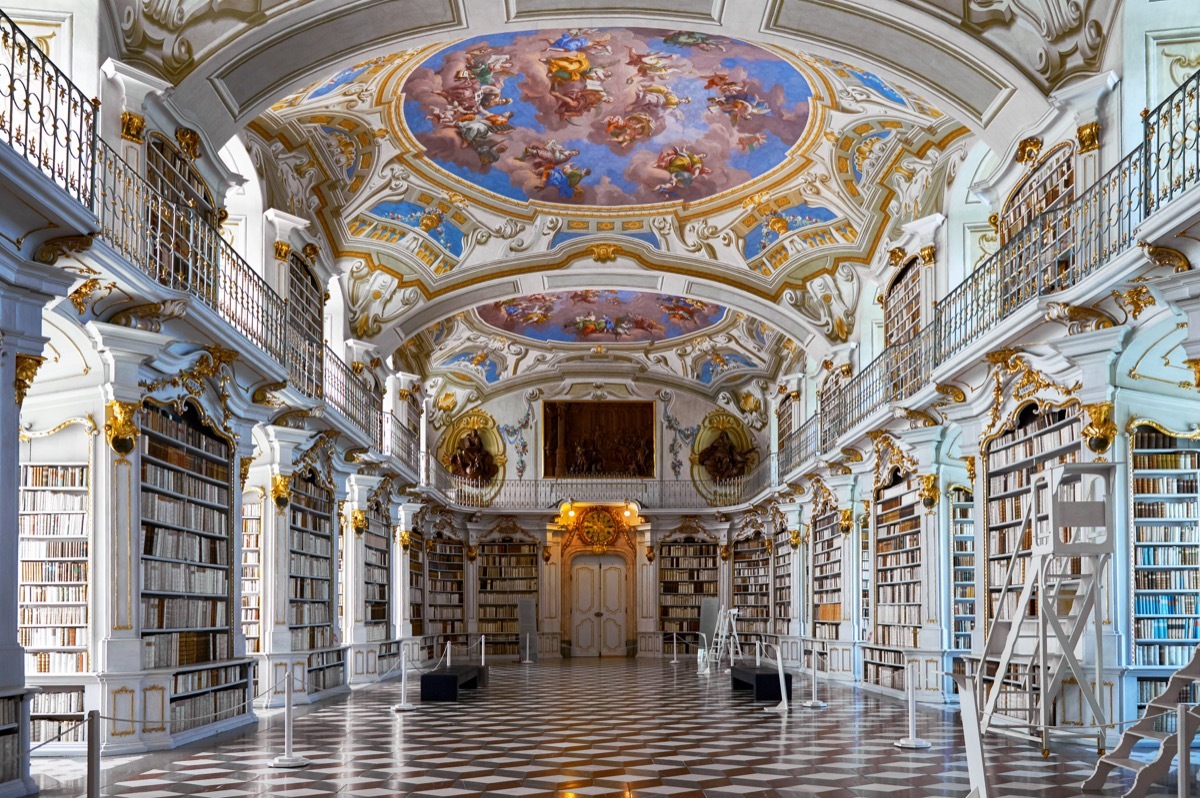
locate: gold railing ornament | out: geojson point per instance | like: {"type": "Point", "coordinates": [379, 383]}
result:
{"type": "Point", "coordinates": [1101, 430]}
{"type": "Point", "coordinates": [120, 428]}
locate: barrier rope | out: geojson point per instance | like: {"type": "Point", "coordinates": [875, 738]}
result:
{"type": "Point", "coordinates": [65, 731]}
{"type": "Point", "coordinates": [248, 702]}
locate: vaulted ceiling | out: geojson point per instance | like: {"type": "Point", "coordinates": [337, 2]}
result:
{"type": "Point", "coordinates": [521, 190]}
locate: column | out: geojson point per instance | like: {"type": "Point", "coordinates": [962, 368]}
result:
{"type": "Point", "coordinates": [25, 289]}
{"type": "Point", "coordinates": [363, 655]}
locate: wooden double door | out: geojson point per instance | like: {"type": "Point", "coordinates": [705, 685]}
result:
{"type": "Point", "coordinates": [598, 606]}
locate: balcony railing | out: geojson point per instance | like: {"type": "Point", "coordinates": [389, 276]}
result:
{"type": "Point", "coordinates": [43, 116]}
{"type": "Point", "coordinates": [650, 494]}
{"type": "Point", "coordinates": [175, 246]}
{"type": "Point", "coordinates": [350, 395]}
{"type": "Point", "coordinates": [403, 443]}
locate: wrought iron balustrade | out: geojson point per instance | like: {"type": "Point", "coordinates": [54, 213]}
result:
{"type": "Point", "coordinates": [1172, 141]}
{"type": "Point", "coordinates": [403, 443]}
{"type": "Point", "coordinates": [173, 245]}
{"type": "Point", "coordinates": [305, 357]}
{"type": "Point", "coordinates": [350, 395]}
{"type": "Point", "coordinates": [43, 116]}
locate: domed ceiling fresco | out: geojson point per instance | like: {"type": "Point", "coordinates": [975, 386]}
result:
{"type": "Point", "coordinates": [595, 316]}
{"type": "Point", "coordinates": [616, 116]}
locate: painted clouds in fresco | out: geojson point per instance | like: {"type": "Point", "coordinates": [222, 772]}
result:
{"type": "Point", "coordinates": [601, 316]}
{"type": "Point", "coordinates": [606, 117]}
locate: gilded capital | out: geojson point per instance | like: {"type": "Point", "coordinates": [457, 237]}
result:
{"type": "Point", "coordinates": [358, 521]}
{"type": "Point", "coordinates": [120, 426]}
{"type": "Point", "coordinates": [1100, 430]}
{"type": "Point", "coordinates": [281, 491]}
{"type": "Point", "coordinates": [1089, 137]}
{"type": "Point", "coordinates": [133, 127]}
{"type": "Point", "coordinates": [282, 250]}
{"type": "Point", "coordinates": [928, 255]}
{"type": "Point", "coordinates": [929, 493]}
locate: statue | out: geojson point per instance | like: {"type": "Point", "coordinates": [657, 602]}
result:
{"type": "Point", "coordinates": [471, 460]}
{"type": "Point", "coordinates": [723, 460]}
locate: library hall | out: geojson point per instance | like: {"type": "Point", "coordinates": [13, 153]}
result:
{"type": "Point", "coordinates": [698, 398]}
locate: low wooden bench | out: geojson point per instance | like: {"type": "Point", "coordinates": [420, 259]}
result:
{"type": "Point", "coordinates": [764, 682]}
{"type": "Point", "coordinates": [442, 684]}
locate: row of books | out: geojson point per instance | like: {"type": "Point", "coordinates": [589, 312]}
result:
{"type": "Point", "coordinates": [1182, 604]}
{"type": "Point", "coordinates": [1167, 462]}
{"type": "Point", "coordinates": [910, 540]}
{"type": "Point", "coordinates": [1039, 423]}
{"type": "Point", "coordinates": [376, 574]}
{"type": "Point", "coordinates": [307, 588]}
{"type": "Point", "coordinates": [687, 574]}
{"type": "Point", "coordinates": [179, 483]}
{"type": "Point", "coordinates": [180, 512]}
{"type": "Point", "coordinates": [441, 612]}
{"type": "Point", "coordinates": [58, 662]}
{"type": "Point", "coordinates": [500, 570]}
{"type": "Point", "coordinates": [445, 585]}
{"type": "Point", "coordinates": [310, 543]}
{"type": "Point", "coordinates": [1161, 509]}
{"type": "Point", "coordinates": [52, 636]}
{"type": "Point", "coordinates": [182, 578]}
{"type": "Point", "coordinates": [317, 521]}
{"type": "Point", "coordinates": [898, 594]}
{"type": "Point", "coordinates": [53, 549]}
{"type": "Point", "coordinates": [1150, 689]}
{"type": "Point", "coordinates": [509, 597]}
{"type": "Point", "coordinates": [889, 560]}
{"type": "Point", "coordinates": [1167, 628]}
{"type": "Point", "coordinates": [831, 571]}
{"type": "Point", "coordinates": [156, 451]}
{"type": "Point", "coordinates": [177, 544]}
{"type": "Point", "coordinates": [908, 614]}
{"type": "Point", "coordinates": [1167, 555]}
{"type": "Point", "coordinates": [308, 565]}
{"type": "Point", "coordinates": [1164, 484]}
{"type": "Point", "coordinates": [54, 476]}
{"type": "Point", "coordinates": [507, 585]}
{"type": "Point", "coordinates": [1167, 580]}
{"type": "Point", "coordinates": [207, 708]}
{"type": "Point", "coordinates": [52, 501]}
{"type": "Point", "coordinates": [179, 429]}
{"type": "Point", "coordinates": [54, 525]}
{"type": "Point", "coordinates": [191, 681]}
{"type": "Point", "coordinates": [57, 616]}
{"type": "Point", "coordinates": [1167, 655]}
{"type": "Point", "coordinates": [176, 649]}
{"type": "Point", "coordinates": [61, 730]}
{"type": "Point", "coordinates": [54, 594]}
{"type": "Point", "coordinates": [54, 571]}
{"type": "Point", "coordinates": [164, 612]}
{"type": "Point", "coordinates": [1166, 533]}
{"type": "Point", "coordinates": [689, 588]}
{"type": "Point", "coordinates": [308, 613]}
{"type": "Point", "coordinates": [691, 600]}
{"type": "Point", "coordinates": [310, 637]}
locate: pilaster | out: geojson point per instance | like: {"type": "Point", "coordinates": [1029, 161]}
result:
{"type": "Point", "coordinates": [362, 662]}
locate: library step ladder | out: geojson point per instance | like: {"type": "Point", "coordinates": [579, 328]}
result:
{"type": "Point", "coordinates": [1152, 728]}
{"type": "Point", "coordinates": [1064, 545]}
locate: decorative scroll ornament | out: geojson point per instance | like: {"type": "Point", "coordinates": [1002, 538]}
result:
{"type": "Point", "coordinates": [150, 317]}
{"type": "Point", "coordinates": [1166, 258]}
{"type": "Point", "coordinates": [916, 418]}
{"type": "Point", "coordinates": [889, 457]}
{"type": "Point", "coordinates": [929, 492]}
{"type": "Point", "coordinates": [281, 491]}
{"type": "Point", "coordinates": [970, 459]}
{"type": "Point", "coordinates": [1135, 300]}
{"type": "Point", "coordinates": [1100, 430]}
{"type": "Point", "coordinates": [852, 455]}
{"type": "Point", "coordinates": [262, 394]}
{"type": "Point", "coordinates": [1028, 151]}
{"type": "Point", "coordinates": [189, 142]}
{"type": "Point", "coordinates": [1030, 384]}
{"type": "Point", "coordinates": [120, 428]}
{"type": "Point", "coordinates": [952, 393]}
{"type": "Point", "coordinates": [49, 252]}
{"type": "Point", "coordinates": [81, 297]}
{"type": "Point", "coordinates": [133, 127]}
{"type": "Point", "coordinates": [244, 469]}
{"type": "Point", "coordinates": [829, 302]}
{"type": "Point", "coordinates": [823, 499]}
{"type": "Point", "coordinates": [212, 362]}
{"type": "Point", "coordinates": [26, 369]}
{"type": "Point", "coordinates": [604, 253]}
{"type": "Point", "coordinates": [1078, 318]}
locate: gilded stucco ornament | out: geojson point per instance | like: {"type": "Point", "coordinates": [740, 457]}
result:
{"type": "Point", "coordinates": [970, 461]}
{"type": "Point", "coordinates": [604, 253]}
{"type": "Point", "coordinates": [472, 553]}
{"type": "Point", "coordinates": [282, 250]}
{"type": "Point", "coordinates": [244, 470]}
{"type": "Point", "coordinates": [829, 302]}
{"type": "Point", "coordinates": [724, 552]}
{"type": "Point", "coordinates": [649, 554]}
{"type": "Point", "coordinates": [1135, 300]}
{"type": "Point", "coordinates": [1088, 137]}
{"type": "Point", "coordinates": [26, 369]}
{"type": "Point", "coordinates": [120, 428]}
{"type": "Point", "coordinates": [952, 393]}
{"type": "Point", "coordinates": [263, 394]}
{"type": "Point", "coordinates": [133, 127]}
{"type": "Point", "coordinates": [794, 539]}
{"type": "Point", "coordinates": [1028, 150]}
{"type": "Point", "coordinates": [189, 142]}
{"type": "Point", "coordinates": [1100, 430]}
{"type": "Point", "coordinates": [846, 520]}
{"type": "Point", "coordinates": [1166, 258]}
{"type": "Point", "coordinates": [405, 538]}
{"type": "Point", "coordinates": [281, 491]}
{"type": "Point", "coordinates": [896, 256]}
{"type": "Point", "coordinates": [929, 492]}
{"type": "Point", "coordinates": [150, 317]}
{"type": "Point", "coordinates": [81, 297]}
{"type": "Point", "coordinates": [928, 255]}
{"type": "Point", "coordinates": [50, 251]}
{"type": "Point", "coordinates": [1193, 363]}
{"type": "Point", "coordinates": [358, 521]}
{"type": "Point", "coordinates": [1078, 318]}
{"type": "Point", "coordinates": [917, 419]}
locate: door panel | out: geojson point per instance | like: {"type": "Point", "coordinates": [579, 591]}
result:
{"type": "Point", "coordinates": [598, 611]}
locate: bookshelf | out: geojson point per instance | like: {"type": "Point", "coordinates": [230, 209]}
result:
{"type": "Point", "coordinates": [252, 575]}
{"type": "Point", "coordinates": [310, 564]}
{"type": "Point", "coordinates": [186, 567]}
{"type": "Point", "coordinates": [752, 586]}
{"type": "Point", "coordinates": [507, 571]}
{"type": "Point", "coordinates": [444, 571]}
{"type": "Point", "coordinates": [898, 581]}
{"type": "Point", "coordinates": [55, 710]}
{"type": "Point", "coordinates": [1165, 557]}
{"type": "Point", "coordinates": [377, 574]}
{"type": "Point", "coordinates": [1012, 459]}
{"type": "Point", "coordinates": [326, 670]}
{"type": "Point", "coordinates": [782, 551]}
{"type": "Point", "coordinates": [687, 574]}
{"type": "Point", "coordinates": [864, 574]}
{"type": "Point", "coordinates": [10, 738]}
{"type": "Point", "coordinates": [962, 567]}
{"type": "Point", "coordinates": [54, 527]}
{"type": "Point", "coordinates": [826, 575]}
{"type": "Point", "coordinates": [416, 582]}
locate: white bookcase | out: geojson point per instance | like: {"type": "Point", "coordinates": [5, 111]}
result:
{"type": "Point", "coordinates": [416, 582]}
{"type": "Point", "coordinates": [898, 582]}
{"type": "Point", "coordinates": [752, 586]}
{"type": "Point", "coordinates": [826, 575]}
{"type": "Point", "coordinates": [252, 575]}
{"type": "Point", "coordinates": [507, 571]}
{"type": "Point", "coordinates": [377, 574]}
{"type": "Point", "coordinates": [187, 615]}
{"type": "Point", "coordinates": [1165, 557]}
{"type": "Point", "coordinates": [311, 582]}
{"type": "Point", "coordinates": [962, 567]}
{"type": "Point", "coordinates": [781, 615]}
{"type": "Point", "coordinates": [10, 739]}
{"type": "Point", "coordinates": [54, 594]}
{"type": "Point", "coordinates": [687, 574]}
{"type": "Point", "coordinates": [444, 571]}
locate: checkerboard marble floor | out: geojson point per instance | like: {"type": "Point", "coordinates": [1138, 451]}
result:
{"type": "Point", "coordinates": [590, 728]}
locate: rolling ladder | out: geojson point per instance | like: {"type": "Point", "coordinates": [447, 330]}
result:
{"type": "Point", "coordinates": [1151, 729]}
{"type": "Point", "coordinates": [1046, 602]}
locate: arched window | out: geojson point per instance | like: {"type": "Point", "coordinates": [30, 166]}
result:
{"type": "Point", "coordinates": [306, 306]}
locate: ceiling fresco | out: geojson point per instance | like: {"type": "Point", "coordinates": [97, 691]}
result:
{"type": "Point", "coordinates": [607, 316]}
{"type": "Point", "coordinates": [616, 116]}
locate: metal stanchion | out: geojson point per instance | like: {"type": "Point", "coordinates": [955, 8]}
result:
{"type": "Point", "coordinates": [912, 741]}
{"type": "Point", "coordinates": [814, 702]}
{"type": "Point", "coordinates": [289, 758]}
{"type": "Point", "coordinates": [702, 656]}
{"type": "Point", "coordinates": [782, 706]}
{"type": "Point", "coordinates": [527, 660]}
{"type": "Point", "coordinates": [448, 651]}
{"type": "Point", "coordinates": [758, 653]}
{"type": "Point", "coordinates": [674, 648]}
{"type": "Point", "coordinates": [483, 651]}
{"type": "Point", "coordinates": [404, 705]}
{"type": "Point", "coordinates": [93, 753]}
